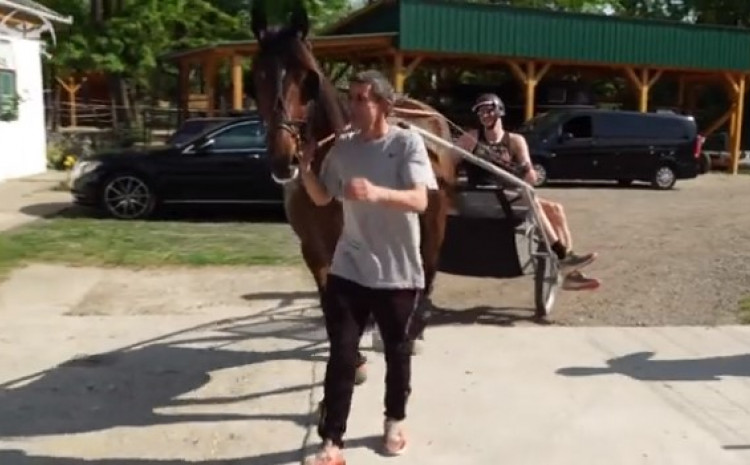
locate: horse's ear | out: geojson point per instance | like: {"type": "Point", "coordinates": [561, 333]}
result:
{"type": "Point", "coordinates": [311, 86]}
{"type": "Point", "coordinates": [300, 21]}
{"type": "Point", "coordinates": [258, 19]}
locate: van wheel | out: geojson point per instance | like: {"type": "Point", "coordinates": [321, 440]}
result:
{"type": "Point", "coordinates": [541, 175]}
{"type": "Point", "coordinates": [664, 178]}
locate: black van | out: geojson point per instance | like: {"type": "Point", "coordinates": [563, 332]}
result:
{"type": "Point", "coordinates": [624, 146]}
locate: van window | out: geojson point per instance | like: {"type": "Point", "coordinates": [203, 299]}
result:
{"type": "Point", "coordinates": [579, 127]}
{"type": "Point", "coordinates": [630, 126]}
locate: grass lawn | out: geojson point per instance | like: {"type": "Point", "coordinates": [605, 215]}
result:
{"type": "Point", "coordinates": [744, 310]}
{"type": "Point", "coordinates": [105, 242]}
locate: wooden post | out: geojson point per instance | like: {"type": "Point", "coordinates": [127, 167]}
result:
{"type": "Point", "coordinates": [737, 117]}
{"type": "Point", "coordinates": [529, 78]}
{"type": "Point", "coordinates": [72, 88]}
{"type": "Point", "coordinates": [209, 78]}
{"type": "Point", "coordinates": [643, 84]}
{"type": "Point", "coordinates": [681, 93]}
{"type": "Point", "coordinates": [399, 72]}
{"type": "Point", "coordinates": [183, 107]}
{"type": "Point", "coordinates": [237, 84]}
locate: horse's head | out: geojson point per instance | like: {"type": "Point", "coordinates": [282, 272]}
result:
{"type": "Point", "coordinates": [286, 80]}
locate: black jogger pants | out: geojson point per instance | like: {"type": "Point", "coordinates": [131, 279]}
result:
{"type": "Point", "coordinates": [347, 307]}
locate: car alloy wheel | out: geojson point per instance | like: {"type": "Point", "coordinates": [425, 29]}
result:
{"type": "Point", "coordinates": [541, 174]}
{"type": "Point", "coordinates": [127, 197]}
{"type": "Point", "coordinates": [664, 177]}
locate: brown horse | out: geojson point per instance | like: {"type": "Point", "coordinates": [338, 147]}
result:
{"type": "Point", "coordinates": [299, 104]}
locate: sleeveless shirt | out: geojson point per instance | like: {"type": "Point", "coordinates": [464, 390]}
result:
{"type": "Point", "coordinates": [498, 153]}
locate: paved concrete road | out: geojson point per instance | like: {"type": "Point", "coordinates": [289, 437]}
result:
{"type": "Point", "coordinates": [235, 384]}
{"type": "Point", "coordinates": [30, 198]}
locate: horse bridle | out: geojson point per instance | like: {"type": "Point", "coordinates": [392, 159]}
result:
{"type": "Point", "coordinates": [296, 128]}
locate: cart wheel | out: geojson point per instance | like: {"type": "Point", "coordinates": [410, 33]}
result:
{"type": "Point", "coordinates": [546, 280]}
{"type": "Point", "coordinates": [525, 246]}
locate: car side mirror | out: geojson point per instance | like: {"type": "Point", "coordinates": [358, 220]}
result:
{"type": "Point", "coordinates": [206, 144]}
{"type": "Point", "coordinates": [566, 136]}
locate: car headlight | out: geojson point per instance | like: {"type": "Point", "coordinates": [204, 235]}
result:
{"type": "Point", "coordinates": [83, 167]}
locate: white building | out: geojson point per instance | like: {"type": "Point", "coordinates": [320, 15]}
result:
{"type": "Point", "coordinates": [23, 145]}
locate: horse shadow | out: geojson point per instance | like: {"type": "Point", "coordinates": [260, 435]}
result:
{"type": "Point", "coordinates": [642, 367]}
{"type": "Point", "coordinates": [436, 315]}
{"type": "Point", "coordinates": [292, 456]}
{"type": "Point", "coordinates": [481, 315]}
{"type": "Point", "coordinates": [129, 386]}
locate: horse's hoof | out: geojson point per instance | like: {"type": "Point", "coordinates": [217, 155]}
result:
{"type": "Point", "coordinates": [361, 374]}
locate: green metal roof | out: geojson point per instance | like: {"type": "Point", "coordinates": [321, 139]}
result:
{"type": "Point", "coordinates": [451, 27]}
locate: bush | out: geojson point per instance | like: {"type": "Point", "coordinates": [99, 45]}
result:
{"type": "Point", "coordinates": [64, 149]}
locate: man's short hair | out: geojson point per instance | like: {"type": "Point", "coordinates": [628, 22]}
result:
{"type": "Point", "coordinates": [380, 86]}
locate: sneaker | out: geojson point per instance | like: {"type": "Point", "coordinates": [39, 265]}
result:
{"type": "Point", "coordinates": [573, 262]}
{"type": "Point", "coordinates": [577, 281]}
{"type": "Point", "coordinates": [394, 437]}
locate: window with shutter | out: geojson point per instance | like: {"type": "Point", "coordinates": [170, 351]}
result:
{"type": "Point", "coordinates": [8, 96]}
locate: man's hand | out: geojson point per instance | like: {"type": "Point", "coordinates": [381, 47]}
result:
{"type": "Point", "coordinates": [363, 190]}
{"type": "Point", "coordinates": [306, 155]}
{"type": "Point", "coordinates": [530, 176]}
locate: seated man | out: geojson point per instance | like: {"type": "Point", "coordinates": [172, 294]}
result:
{"type": "Point", "coordinates": [509, 151]}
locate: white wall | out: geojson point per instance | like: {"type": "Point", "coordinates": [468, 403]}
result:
{"type": "Point", "coordinates": [23, 142]}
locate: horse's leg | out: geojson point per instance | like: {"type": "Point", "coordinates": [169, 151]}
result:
{"type": "Point", "coordinates": [432, 228]}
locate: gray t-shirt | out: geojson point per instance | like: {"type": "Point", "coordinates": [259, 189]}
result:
{"type": "Point", "coordinates": [379, 246]}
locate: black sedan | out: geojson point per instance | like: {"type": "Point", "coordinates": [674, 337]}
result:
{"type": "Point", "coordinates": [225, 164]}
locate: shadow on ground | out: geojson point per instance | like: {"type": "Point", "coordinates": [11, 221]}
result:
{"type": "Point", "coordinates": [19, 457]}
{"type": "Point", "coordinates": [185, 213]}
{"type": "Point", "coordinates": [598, 185]}
{"type": "Point", "coordinates": [641, 366]}
{"type": "Point", "coordinates": [128, 386]}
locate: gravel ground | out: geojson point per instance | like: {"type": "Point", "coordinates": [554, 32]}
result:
{"type": "Point", "coordinates": [678, 257]}
{"type": "Point", "coordinates": [666, 258]}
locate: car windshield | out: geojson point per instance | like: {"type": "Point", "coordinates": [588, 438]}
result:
{"type": "Point", "coordinates": [541, 123]}
{"type": "Point", "coordinates": [191, 129]}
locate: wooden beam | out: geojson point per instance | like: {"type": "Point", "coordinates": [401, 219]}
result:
{"type": "Point", "coordinates": [540, 74]}
{"type": "Point", "coordinates": [72, 88]}
{"type": "Point", "coordinates": [238, 92]}
{"type": "Point", "coordinates": [399, 72]}
{"type": "Point", "coordinates": [737, 142]}
{"type": "Point", "coordinates": [530, 88]}
{"type": "Point", "coordinates": [733, 85]}
{"type": "Point", "coordinates": [633, 77]}
{"type": "Point", "coordinates": [643, 84]}
{"type": "Point", "coordinates": [529, 77]}
{"type": "Point", "coordinates": [681, 86]}
{"type": "Point", "coordinates": [516, 69]}
{"type": "Point", "coordinates": [183, 86]}
{"type": "Point", "coordinates": [209, 78]}
{"type": "Point", "coordinates": [643, 91]}
{"type": "Point", "coordinates": [413, 65]}
{"type": "Point", "coordinates": [718, 123]}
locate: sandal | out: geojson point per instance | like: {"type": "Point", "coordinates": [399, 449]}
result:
{"type": "Point", "coordinates": [327, 455]}
{"type": "Point", "coordinates": [394, 437]}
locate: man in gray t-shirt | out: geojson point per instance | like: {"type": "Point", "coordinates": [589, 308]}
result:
{"type": "Point", "coordinates": [381, 174]}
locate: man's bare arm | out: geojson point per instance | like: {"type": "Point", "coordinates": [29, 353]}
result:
{"type": "Point", "coordinates": [414, 199]}
{"type": "Point", "coordinates": [521, 150]}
